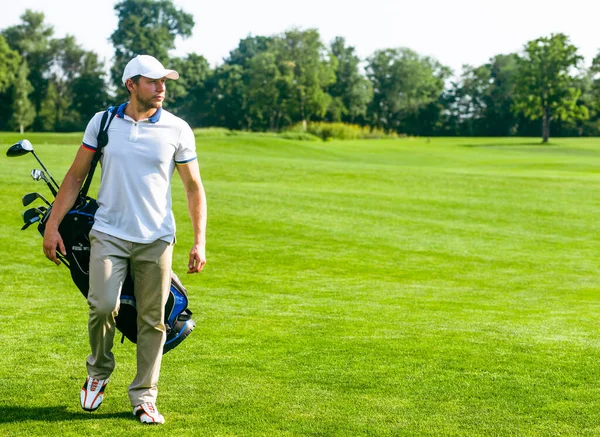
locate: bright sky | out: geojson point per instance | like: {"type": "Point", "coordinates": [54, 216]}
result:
{"type": "Point", "coordinates": [454, 32]}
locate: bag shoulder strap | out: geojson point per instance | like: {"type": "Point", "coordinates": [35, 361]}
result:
{"type": "Point", "coordinates": [107, 119]}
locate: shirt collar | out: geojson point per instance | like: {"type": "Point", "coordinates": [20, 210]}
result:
{"type": "Point", "coordinates": [155, 117]}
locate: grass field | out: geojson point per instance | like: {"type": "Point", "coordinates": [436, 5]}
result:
{"type": "Point", "coordinates": [414, 287]}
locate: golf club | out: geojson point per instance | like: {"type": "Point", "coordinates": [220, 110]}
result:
{"type": "Point", "coordinates": [30, 213]}
{"type": "Point", "coordinates": [22, 148]}
{"type": "Point", "coordinates": [39, 174]}
{"type": "Point", "coordinates": [30, 198]}
{"type": "Point", "coordinates": [30, 222]}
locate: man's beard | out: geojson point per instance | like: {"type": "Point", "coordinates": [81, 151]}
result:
{"type": "Point", "coordinates": [144, 105]}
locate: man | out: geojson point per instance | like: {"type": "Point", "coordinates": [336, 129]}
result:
{"type": "Point", "coordinates": [134, 228]}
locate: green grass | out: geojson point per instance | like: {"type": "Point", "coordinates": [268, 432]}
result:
{"type": "Point", "coordinates": [411, 287]}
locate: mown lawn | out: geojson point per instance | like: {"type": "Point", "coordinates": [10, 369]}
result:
{"type": "Point", "coordinates": [413, 287]}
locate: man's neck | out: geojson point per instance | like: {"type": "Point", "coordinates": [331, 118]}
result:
{"type": "Point", "coordinates": [136, 112]}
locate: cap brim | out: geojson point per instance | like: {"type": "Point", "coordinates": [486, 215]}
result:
{"type": "Point", "coordinates": [169, 74]}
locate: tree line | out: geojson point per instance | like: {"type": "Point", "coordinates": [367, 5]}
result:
{"type": "Point", "coordinates": [270, 83]}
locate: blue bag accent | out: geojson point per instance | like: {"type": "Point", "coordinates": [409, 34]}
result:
{"type": "Point", "coordinates": [178, 317]}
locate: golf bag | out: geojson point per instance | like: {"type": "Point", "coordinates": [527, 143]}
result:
{"type": "Point", "coordinates": [74, 230]}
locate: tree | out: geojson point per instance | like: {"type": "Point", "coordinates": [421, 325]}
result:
{"type": "Point", "coordinates": [65, 67]}
{"type": "Point", "coordinates": [188, 97]}
{"type": "Point", "coordinates": [589, 83]}
{"type": "Point", "coordinates": [499, 99]}
{"type": "Point", "coordinates": [269, 91]}
{"type": "Point", "coordinates": [403, 83]}
{"type": "Point", "coordinates": [545, 86]}
{"type": "Point", "coordinates": [467, 100]}
{"type": "Point", "coordinates": [48, 111]}
{"type": "Point", "coordinates": [305, 55]}
{"type": "Point", "coordinates": [229, 97]}
{"type": "Point", "coordinates": [31, 39]}
{"type": "Point", "coordinates": [146, 27]}
{"type": "Point", "coordinates": [248, 48]}
{"type": "Point", "coordinates": [23, 111]}
{"type": "Point", "coordinates": [89, 88]}
{"type": "Point", "coordinates": [351, 92]}
{"type": "Point", "coordinates": [9, 64]}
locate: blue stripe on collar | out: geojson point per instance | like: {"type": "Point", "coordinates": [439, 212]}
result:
{"type": "Point", "coordinates": [121, 110]}
{"type": "Point", "coordinates": [156, 116]}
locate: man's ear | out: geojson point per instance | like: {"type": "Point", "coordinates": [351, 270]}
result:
{"type": "Point", "coordinates": [129, 84]}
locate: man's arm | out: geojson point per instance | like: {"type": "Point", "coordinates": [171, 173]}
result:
{"type": "Point", "coordinates": [196, 200]}
{"type": "Point", "coordinates": [67, 194]}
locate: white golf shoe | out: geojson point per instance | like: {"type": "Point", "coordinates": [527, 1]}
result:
{"type": "Point", "coordinates": [92, 393]}
{"type": "Point", "coordinates": [147, 413]}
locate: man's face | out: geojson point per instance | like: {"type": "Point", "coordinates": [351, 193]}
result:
{"type": "Point", "coordinates": [149, 93]}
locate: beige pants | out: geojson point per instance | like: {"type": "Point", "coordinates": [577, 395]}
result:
{"type": "Point", "coordinates": [150, 266]}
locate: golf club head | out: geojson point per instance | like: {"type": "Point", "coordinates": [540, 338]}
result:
{"type": "Point", "coordinates": [29, 198]}
{"type": "Point", "coordinates": [21, 148]}
{"type": "Point", "coordinates": [40, 175]}
{"type": "Point", "coordinates": [30, 222]}
{"type": "Point", "coordinates": [37, 175]}
{"type": "Point", "coordinates": [30, 213]}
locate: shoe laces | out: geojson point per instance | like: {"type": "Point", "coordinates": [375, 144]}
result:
{"type": "Point", "coordinates": [94, 385]}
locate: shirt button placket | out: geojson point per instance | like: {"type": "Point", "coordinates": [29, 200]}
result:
{"type": "Point", "coordinates": [133, 133]}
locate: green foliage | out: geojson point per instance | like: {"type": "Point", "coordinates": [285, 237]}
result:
{"type": "Point", "coordinates": [9, 64]}
{"type": "Point", "coordinates": [298, 135]}
{"type": "Point", "coordinates": [269, 91]}
{"type": "Point", "coordinates": [68, 82]}
{"type": "Point", "coordinates": [58, 107]}
{"type": "Point", "coordinates": [89, 89]}
{"type": "Point", "coordinates": [481, 101]}
{"type": "Point", "coordinates": [228, 97]}
{"type": "Point", "coordinates": [32, 40]}
{"type": "Point", "coordinates": [146, 27]}
{"type": "Point", "coordinates": [403, 83]}
{"type": "Point", "coordinates": [211, 132]}
{"type": "Point", "coordinates": [23, 111]}
{"type": "Point", "coordinates": [303, 54]}
{"type": "Point", "coordinates": [341, 131]}
{"type": "Point", "coordinates": [248, 48]}
{"type": "Point", "coordinates": [270, 83]}
{"type": "Point", "coordinates": [351, 92]}
{"type": "Point", "coordinates": [545, 86]}
{"type": "Point", "coordinates": [188, 97]}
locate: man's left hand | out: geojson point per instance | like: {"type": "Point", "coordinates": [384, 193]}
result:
{"type": "Point", "coordinates": [197, 259]}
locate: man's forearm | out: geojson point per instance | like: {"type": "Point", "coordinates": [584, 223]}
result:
{"type": "Point", "coordinates": [67, 194]}
{"type": "Point", "coordinates": [197, 208]}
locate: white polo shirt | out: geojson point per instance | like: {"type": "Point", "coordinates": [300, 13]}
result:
{"type": "Point", "coordinates": [138, 162]}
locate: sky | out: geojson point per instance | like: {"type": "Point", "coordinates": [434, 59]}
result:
{"type": "Point", "coordinates": [455, 32]}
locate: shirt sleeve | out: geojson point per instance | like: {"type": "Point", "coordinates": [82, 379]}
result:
{"type": "Point", "coordinates": [90, 137]}
{"type": "Point", "coordinates": [186, 149]}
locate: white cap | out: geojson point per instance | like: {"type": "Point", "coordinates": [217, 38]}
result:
{"type": "Point", "coordinates": [147, 66]}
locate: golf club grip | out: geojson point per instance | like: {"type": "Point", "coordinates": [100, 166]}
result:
{"type": "Point", "coordinates": [63, 259]}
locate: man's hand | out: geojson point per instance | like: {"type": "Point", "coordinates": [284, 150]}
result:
{"type": "Point", "coordinates": [52, 241]}
{"type": "Point", "coordinates": [197, 259]}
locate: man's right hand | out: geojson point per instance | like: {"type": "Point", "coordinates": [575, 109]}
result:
{"type": "Point", "coordinates": [52, 241]}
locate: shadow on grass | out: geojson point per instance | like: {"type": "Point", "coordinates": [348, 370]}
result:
{"type": "Point", "coordinates": [509, 144]}
{"type": "Point", "coordinates": [538, 147]}
{"type": "Point", "coordinates": [53, 414]}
